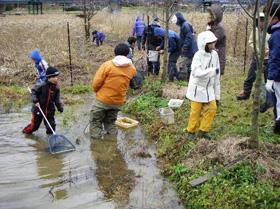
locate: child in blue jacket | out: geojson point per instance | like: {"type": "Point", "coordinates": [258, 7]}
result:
{"type": "Point", "coordinates": [40, 64]}
{"type": "Point", "coordinates": [98, 36]}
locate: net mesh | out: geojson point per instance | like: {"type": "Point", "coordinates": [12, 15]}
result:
{"type": "Point", "coordinates": [59, 144]}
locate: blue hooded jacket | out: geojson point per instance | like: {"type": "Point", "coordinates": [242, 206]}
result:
{"type": "Point", "coordinates": [138, 27]}
{"type": "Point", "coordinates": [99, 37]}
{"type": "Point", "coordinates": [274, 52]}
{"type": "Point", "coordinates": [40, 64]}
{"type": "Point", "coordinates": [173, 40]}
{"type": "Point", "coordinates": [187, 37]}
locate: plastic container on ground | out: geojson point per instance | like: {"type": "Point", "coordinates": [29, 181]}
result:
{"type": "Point", "coordinates": [125, 122]}
{"type": "Point", "coordinates": [175, 103]}
{"type": "Point", "coordinates": [167, 115]}
{"type": "Point", "coordinates": [153, 56]}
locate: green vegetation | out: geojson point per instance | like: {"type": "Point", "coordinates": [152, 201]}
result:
{"type": "Point", "coordinates": [13, 97]}
{"type": "Point", "coordinates": [76, 89]}
{"type": "Point", "coordinates": [246, 184]}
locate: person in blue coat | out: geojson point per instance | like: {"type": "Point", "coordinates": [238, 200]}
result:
{"type": "Point", "coordinates": [40, 64]}
{"type": "Point", "coordinates": [98, 36]}
{"type": "Point", "coordinates": [173, 50]}
{"type": "Point", "coordinates": [138, 29]}
{"type": "Point", "coordinates": [188, 43]}
{"type": "Point", "coordinates": [273, 78]}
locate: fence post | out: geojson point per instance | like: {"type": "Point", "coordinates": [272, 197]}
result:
{"type": "Point", "coordinates": [69, 47]}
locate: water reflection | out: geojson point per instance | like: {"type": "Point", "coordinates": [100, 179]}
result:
{"type": "Point", "coordinates": [113, 176]}
{"type": "Point", "coordinates": [49, 168]}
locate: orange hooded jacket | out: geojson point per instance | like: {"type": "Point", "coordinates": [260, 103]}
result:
{"type": "Point", "coordinates": [111, 80]}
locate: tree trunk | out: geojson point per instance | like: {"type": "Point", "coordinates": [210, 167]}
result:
{"type": "Point", "coordinates": [254, 139]}
{"type": "Point", "coordinates": [165, 56]}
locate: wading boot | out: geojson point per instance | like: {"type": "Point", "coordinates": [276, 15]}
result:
{"type": "Point", "coordinates": [243, 96]}
{"type": "Point", "coordinates": [203, 134]}
{"type": "Point", "coordinates": [191, 136]}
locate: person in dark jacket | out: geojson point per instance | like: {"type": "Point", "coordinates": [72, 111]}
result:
{"type": "Point", "coordinates": [273, 78]}
{"type": "Point", "coordinates": [151, 42]}
{"type": "Point", "coordinates": [173, 49]}
{"type": "Point", "coordinates": [131, 43]}
{"type": "Point", "coordinates": [45, 95]}
{"type": "Point", "coordinates": [98, 36]}
{"type": "Point", "coordinates": [40, 64]}
{"type": "Point", "coordinates": [188, 43]}
{"type": "Point", "coordinates": [138, 29]}
{"type": "Point", "coordinates": [215, 25]}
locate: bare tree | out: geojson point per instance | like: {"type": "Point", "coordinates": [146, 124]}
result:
{"type": "Point", "coordinates": [254, 139]}
{"type": "Point", "coordinates": [89, 10]}
{"type": "Point", "coordinates": [169, 7]}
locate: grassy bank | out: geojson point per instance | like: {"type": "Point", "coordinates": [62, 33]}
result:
{"type": "Point", "coordinates": [248, 178]}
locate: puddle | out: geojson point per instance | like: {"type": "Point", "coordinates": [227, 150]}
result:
{"type": "Point", "coordinates": [116, 172]}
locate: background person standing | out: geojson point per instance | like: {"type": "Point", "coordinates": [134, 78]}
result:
{"type": "Point", "coordinates": [188, 44]}
{"type": "Point", "coordinates": [151, 42]}
{"type": "Point", "coordinates": [215, 25]}
{"type": "Point", "coordinates": [138, 29]}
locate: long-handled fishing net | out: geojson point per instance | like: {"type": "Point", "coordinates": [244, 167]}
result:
{"type": "Point", "coordinates": [57, 143]}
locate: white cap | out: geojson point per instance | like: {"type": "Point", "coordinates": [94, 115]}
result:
{"type": "Point", "coordinates": [261, 14]}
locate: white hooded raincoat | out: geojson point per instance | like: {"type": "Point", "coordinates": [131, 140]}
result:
{"type": "Point", "coordinates": [204, 84]}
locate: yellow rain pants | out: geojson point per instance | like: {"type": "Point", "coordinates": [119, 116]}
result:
{"type": "Point", "coordinates": [208, 115]}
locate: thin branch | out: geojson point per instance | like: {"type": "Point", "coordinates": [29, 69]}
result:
{"type": "Point", "coordinates": [245, 10]}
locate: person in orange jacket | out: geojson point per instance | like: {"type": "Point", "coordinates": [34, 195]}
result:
{"type": "Point", "coordinates": [110, 84]}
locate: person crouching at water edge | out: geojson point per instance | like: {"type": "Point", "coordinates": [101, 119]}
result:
{"type": "Point", "coordinates": [204, 86]}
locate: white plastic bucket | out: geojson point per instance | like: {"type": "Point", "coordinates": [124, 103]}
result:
{"type": "Point", "coordinates": [153, 56]}
{"type": "Point", "coordinates": [167, 115]}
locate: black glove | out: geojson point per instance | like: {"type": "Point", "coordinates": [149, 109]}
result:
{"type": "Point", "coordinates": [217, 103]}
{"type": "Point", "coordinates": [143, 47]}
{"type": "Point", "coordinates": [217, 71]}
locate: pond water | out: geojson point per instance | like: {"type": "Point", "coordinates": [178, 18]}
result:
{"type": "Point", "coordinates": [115, 172]}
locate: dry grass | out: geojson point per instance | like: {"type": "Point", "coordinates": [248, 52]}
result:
{"type": "Point", "coordinates": [48, 33]}
{"type": "Point", "coordinates": [232, 149]}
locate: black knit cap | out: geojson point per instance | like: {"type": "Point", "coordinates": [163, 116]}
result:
{"type": "Point", "coordinates": [51, 72]}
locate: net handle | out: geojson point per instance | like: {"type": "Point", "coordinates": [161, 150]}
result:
{"type": "Point", "coordinates": [44, 115]}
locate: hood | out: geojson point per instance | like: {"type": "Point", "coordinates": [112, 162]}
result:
{"type": "Point", "coordinates": [204, 38]}
{"type": "Point", "coordinates": [159, 32]}
{"type": "Point", "coordinates": [35, 55]}
{"type": "Point", "coordinates": [137, 19]}
{"type": "Point", "coordinates": [216, 11]}
{"type": "Point", "coordinates": [180, 18]}
{"type": "Point", "coordinates": [274, 27]}
{"type": "Point", "coordinates": [122, 61]}
{"type": "Point", "coordinates": [155, 21]}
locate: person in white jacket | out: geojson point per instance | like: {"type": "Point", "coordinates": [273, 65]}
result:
{"type": "Point", "coordinates": [204, 86]}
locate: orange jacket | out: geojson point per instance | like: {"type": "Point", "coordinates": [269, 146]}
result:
{"type": "Point", "coordinates": [111, 80]}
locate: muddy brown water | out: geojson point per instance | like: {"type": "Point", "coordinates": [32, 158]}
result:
{"type": "Point", "coordinates": [115, 172]}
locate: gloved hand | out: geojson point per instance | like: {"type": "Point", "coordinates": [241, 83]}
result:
{"type": "Point", "coordinates": [217, 103]}
{"type": "Point", "coordinates": [60, 110]}
{"type": "Point", "coordinates": [143, 47]}
{"type": "Point", "coordinates": [269, 85]}
{"type": "Point", "coordinates": [217, 71]}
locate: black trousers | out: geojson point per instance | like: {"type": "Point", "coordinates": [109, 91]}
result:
{"type": "Point", "coordinates": [36, 121]}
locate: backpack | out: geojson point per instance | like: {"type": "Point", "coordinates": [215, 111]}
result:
{"type": "Point", "coordinates": [136, 81]}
